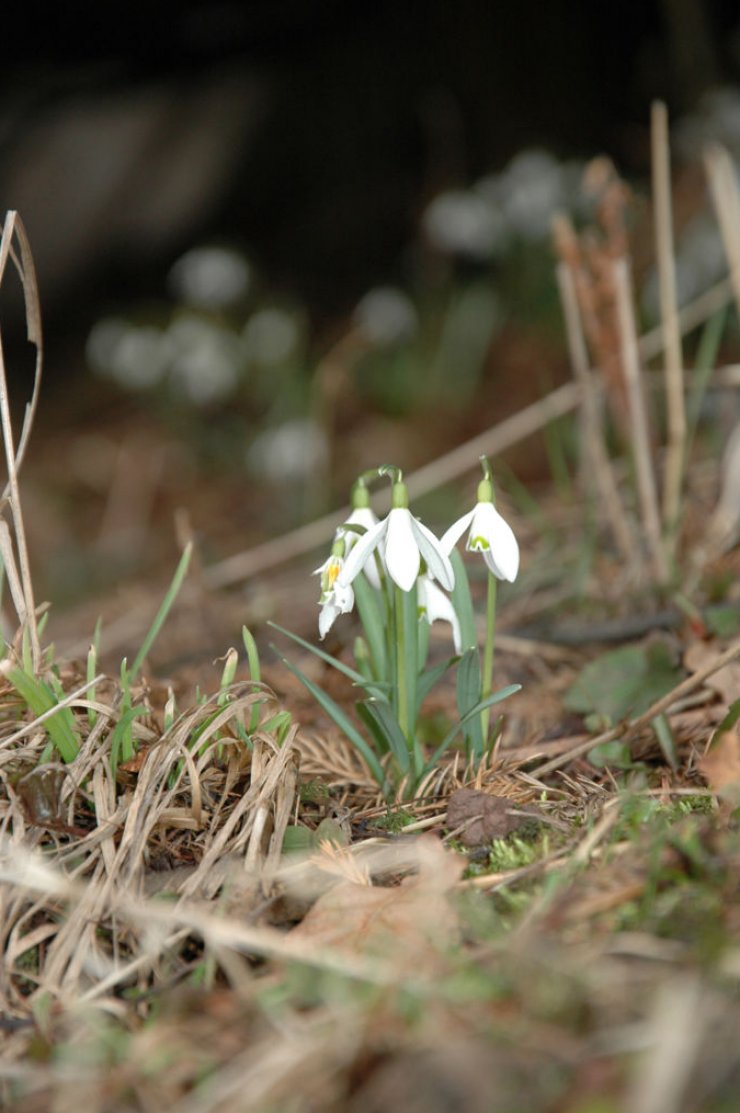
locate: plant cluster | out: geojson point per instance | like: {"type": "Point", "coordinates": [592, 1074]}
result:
{"type": "Point", "coordinates": [402, 578]}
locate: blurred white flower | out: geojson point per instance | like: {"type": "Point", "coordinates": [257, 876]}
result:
{"type": "Point", "coordinates": [134, 356]}
{"type": "Point", "coordinates": [528, 192]}
{"type": "Point", "coordinates": [205, 360]}
{"type": "Point", "coordinates": [700, 261]}
{"type": "Point", "coordinates": [463, 222]}
{"type": "Point", "coordinates": [210, 277]}
{"type": "Point", "coordinates": [717, 118]}
{"type": "Point", "coordinates": [386, 315]}
{"type": "Point", "coordinates": [296, 450]}
{"type": "Point", "coordinates": [271, 336]}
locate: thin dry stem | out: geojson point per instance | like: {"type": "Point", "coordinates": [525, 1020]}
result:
{"type": "Point", "coordinates": [640, 438]}
{"type": "Point", "coordinates": [676, 413]}
{"type": "Point", "coordinates": [726, 198]}
{"type": "Point", "coordinates": [28, 613]}
{"type": "Point", "coordinates": [597, 456]}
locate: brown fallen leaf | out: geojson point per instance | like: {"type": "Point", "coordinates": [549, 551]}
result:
{"type": "Point", "coordinates": [480, 817]}
{"type": "Point", "coordinates": [725, 681]}
{"type": "Point", "coordinates": [720, 765]}
{"type": "Point", "coordinates": [409, 921]}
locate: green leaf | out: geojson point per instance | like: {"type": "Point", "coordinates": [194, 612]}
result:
{"type": "Point", "coordinates": [253, 657]}
{"type": "Point", "coordinates": [371, 610]}
{"type": "Point", "coordinates": [664, 734]}
{"type": "Point", "coordinates": [449, 738]}
{"type": "Point", "coordinates": [40, 698]}
{"type": "Point", "coordinates": [429, 678]}
{"type": "Point", "coordinates": [122, 747]}
{"type": "Point", "coordinates": [732, 716]}
{"type": "Point", "coordinates": [298, 839]}
{"type": "Point", "coordinates": [384, 727]}
{"type": "Point", "coordinates": [463, 603]}
{"type": "Point", "coordinates": [338, 717]}
{"type": "Point", "coordinates": [164, 610]}
{"type": "Point", "coordinates": [468, 686]}
{"type": "Point", "coordinates": [625, 681]}
{"type": "Point", "coordinates": [373, 688]}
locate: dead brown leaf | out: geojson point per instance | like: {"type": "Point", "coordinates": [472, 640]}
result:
{"type": "Point", "coordinates": [725, 681]}
{"type": "Point", "coordinates": [480, 817]}
{"type": "Point", "coordinates": [414, 918]}
{"type": "Point", "coordinates": [720, 765]}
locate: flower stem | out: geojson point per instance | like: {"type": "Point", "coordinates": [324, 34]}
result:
{"type": "Point", "coordinates": [487, 676]}
{"type": "Point", "coordinates": [401, 686]}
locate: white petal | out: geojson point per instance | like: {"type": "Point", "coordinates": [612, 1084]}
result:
{"type": "Point", "coordinates": [438, 606]}
{"type": "Point", "coordinates": [436, 557]}
{"type": "Point", "coordinates": [361, 516]}
{"type": "Point", "coordinates": [340, 601]}
{"type": "Point", "coordinates": [361, 551]}
{"type": "Point", "coordinates": [401, 549]}
{"type": "Point", "coordinates": [327, 616]}
{"type": "Point", "coordinates": [451, 536]}
{"type": "Point", "coordinates": [502, 554]}
{"type": "Point", "coordinates": [365, 517]}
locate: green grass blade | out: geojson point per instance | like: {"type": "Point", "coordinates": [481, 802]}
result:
{"type": "Point", "coordinates": [338, 717]}
{"type": "Point", "coordinates": [468, 684]}
{"type": "Point", "coordinates": [40, 698]}
{"type": "Point", "coordinates": [380, 721]}
{"type": "Point", "coordinates": [121, 738]}
{"type": "Point", "coordinates": [253, 657]}
{"type": "Point", "coordinates": [164, 610]}
{"type": "Point", "coordinates": [429, 678]}
{"type": "Point", "coordinates": [489, 701]}
{"type": "Point", "coordinates": [374, 688]}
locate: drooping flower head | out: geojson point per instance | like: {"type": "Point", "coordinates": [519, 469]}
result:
{"type": "Point", "coordinates": [406, 542]}
{"type": "Point", "coordinates": [335, 598]}
{"type": "Point", "coordinates": [488, 534]}
{"type": "Point", "coordinates": [361, 520]}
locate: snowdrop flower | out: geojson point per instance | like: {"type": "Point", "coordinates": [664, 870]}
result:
{"type": "Point", "coordinates": [461, 222]}
{"type": "Point", "coordinates": [489, 534]}
{"type": "Point", "coordinates": [297, 450]}
{"type": "Point", "coordinates": [336, 598]}
{"type": "Point", "coordinates": [434, 604]}
{"type": "Point", "coordinates": [386, 316]}
{"type": "Point", "coordinates": [363, 516]}
{"type": "Point", "coordinates": [406, 542]}
{"type": "Point", "coordinates": [210, 277]}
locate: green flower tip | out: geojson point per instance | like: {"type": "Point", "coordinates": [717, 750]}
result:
{"type": "Point", "coordinates": [360, 495]}
{"type": "Point", "coordinates": [485, 491]}
{"type": "Point", "coordinates": [399, 496]}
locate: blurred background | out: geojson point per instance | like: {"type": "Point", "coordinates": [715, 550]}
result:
{"type": "Point", "coordinates": [280, 242]}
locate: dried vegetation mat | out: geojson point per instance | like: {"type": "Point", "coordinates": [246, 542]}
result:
{"type": "Point", "coordinates": [213, 910]}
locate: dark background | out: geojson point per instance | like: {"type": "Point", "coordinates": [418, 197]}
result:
{"type": "Point", "coordinates": [310, 133]}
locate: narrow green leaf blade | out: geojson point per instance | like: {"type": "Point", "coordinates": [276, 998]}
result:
{"type": "Point", "coordinates": [338, 717]}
